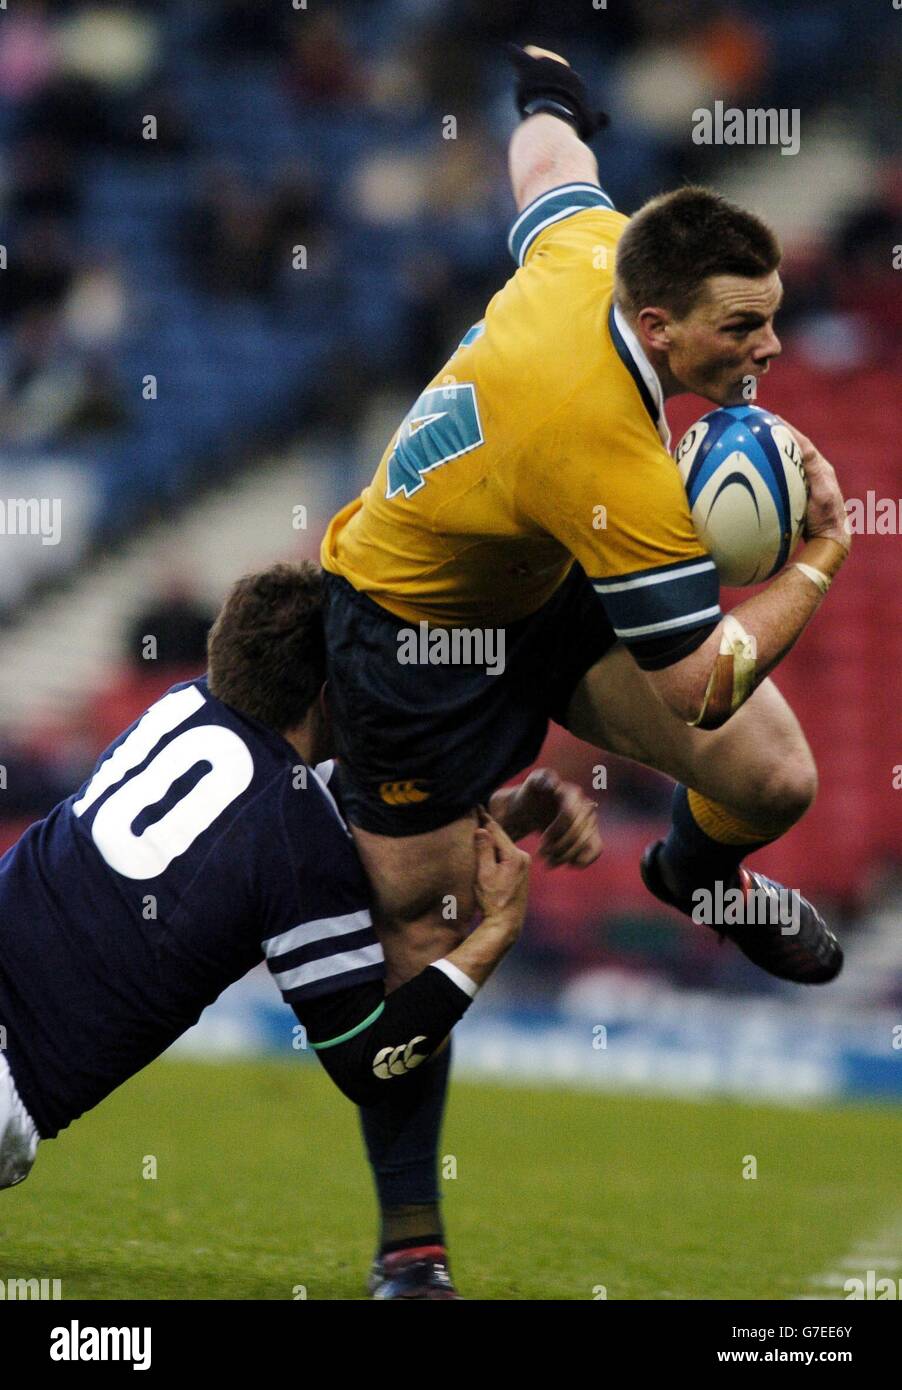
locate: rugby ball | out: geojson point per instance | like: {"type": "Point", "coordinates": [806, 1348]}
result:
{"type": "Point", "coordinates": [744, 477]}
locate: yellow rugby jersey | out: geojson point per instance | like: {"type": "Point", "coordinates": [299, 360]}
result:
{"type": "Point", "coordinates": [542, 440]}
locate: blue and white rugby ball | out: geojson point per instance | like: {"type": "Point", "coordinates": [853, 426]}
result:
{"type": "Point", "coordinates": [744, 477]}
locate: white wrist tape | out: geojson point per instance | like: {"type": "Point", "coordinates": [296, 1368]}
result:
{"type": "Point", "coordinates": [817, 577]}
{"type": "Point", "coordinates": [457, 977]}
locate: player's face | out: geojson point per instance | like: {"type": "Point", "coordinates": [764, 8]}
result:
{"type": "Point", "coordinates": [727, 339]}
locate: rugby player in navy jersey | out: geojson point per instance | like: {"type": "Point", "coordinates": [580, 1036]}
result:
{"type": "Point", "coordinates": [206, 840]}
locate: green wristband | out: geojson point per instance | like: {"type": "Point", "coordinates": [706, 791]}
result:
{"type": "Point", "coordinates": [352, 1032]}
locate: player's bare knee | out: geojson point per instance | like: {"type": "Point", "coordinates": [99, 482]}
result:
{"type": "Point", "coordinates": [789, 787]}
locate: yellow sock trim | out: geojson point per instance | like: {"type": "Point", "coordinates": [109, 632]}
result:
{"type": "Point", "coordinates": [725, 827]}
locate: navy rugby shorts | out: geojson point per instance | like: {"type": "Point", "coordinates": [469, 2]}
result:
{"type": "Point", "coordinates": [421, 742]}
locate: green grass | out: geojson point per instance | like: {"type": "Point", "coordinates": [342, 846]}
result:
{"type": "Point", "coordinates": [262, 1186]}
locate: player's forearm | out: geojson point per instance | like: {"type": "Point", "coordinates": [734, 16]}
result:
{"type": "Point", "coordinates": [544, 153]}
{"type": "Point", "coordinates": [385, 1039]}
{"type": "Point", "coordinates": [776, 618]}
{"type": "Point", "coordinates": [773, 620]}
{"type": "Point", "coordinates": [363, 1040]}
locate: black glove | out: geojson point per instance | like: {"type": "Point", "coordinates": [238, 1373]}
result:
{"type": "Point", "coordinates": [544, 84]}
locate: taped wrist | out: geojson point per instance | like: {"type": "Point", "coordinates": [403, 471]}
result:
{"type": "Point", "coordinates": [820, 561]}
{"type": "Point", "coordinates": [391, 1035]}
{"type": "Point", "coordinates": [544, 84]}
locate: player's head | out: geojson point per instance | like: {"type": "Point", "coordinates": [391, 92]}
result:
{"type": "Point", "coordinates": [266, 653]}
{"type": "Point", "coordinates": [697, 278]}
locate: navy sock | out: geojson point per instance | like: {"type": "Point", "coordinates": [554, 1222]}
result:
{"type": "Point", "coordinates": [692, 857]}
{"type": "Point", "coordinates": [402, 1139]}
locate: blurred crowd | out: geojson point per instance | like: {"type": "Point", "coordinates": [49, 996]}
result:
{"type": "Point", "coordinates": [402, 227]}
{"type": "Point", "coordinates": [163, 641]}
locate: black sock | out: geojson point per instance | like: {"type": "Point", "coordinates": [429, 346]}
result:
{"type": "Point", "coordinates": [402, 1138]}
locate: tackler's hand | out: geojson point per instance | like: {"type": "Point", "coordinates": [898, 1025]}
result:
{"type": "Point", "coordinates": [502, 874]}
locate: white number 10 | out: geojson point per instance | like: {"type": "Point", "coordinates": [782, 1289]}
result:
{"type": "Point", "coordinates": [150, 853]}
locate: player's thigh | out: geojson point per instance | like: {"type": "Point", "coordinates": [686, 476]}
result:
{"type": "Point", "coordinates": [422, 888]}
{"type": "Point", "coordinates": [758, 762]}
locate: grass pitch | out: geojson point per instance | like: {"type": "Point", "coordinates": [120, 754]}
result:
{"type": "Point", "coordinates": [261, 1187]}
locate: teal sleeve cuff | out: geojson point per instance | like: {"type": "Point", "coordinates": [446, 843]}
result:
{"type": "Point", "coordinates": [553, 206]}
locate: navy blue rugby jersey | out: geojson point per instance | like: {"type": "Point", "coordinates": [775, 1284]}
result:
{"type": "Point", "coordinates": [200, 845]}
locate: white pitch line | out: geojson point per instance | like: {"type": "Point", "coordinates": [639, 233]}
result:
{"type": "Point", "coordinates": [874, 1261]}
{"type": "Point", "coordinates": [881, 1252]}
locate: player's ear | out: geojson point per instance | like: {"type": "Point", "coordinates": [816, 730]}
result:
{"type": "Point", "coordinates": [653, 327]}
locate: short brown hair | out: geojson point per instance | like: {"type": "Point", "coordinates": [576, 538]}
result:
{"type": "Point", "coordinates": [677, 240]}
{"type": "Point", "coordinates": [266, 652]}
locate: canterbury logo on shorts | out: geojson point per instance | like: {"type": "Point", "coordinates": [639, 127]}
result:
{"type": "Point", "coordinates": [397, 1061]}
{"type": "Point", "coordinates": [403, 793]}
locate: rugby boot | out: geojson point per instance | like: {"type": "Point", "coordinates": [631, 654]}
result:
{"type": "Point", "coordinates": [419, 1273]}
{"type": "Point", "coordinates": [810, 955]}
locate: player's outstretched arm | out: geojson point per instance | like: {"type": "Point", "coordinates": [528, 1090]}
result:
{"type": "Point", "coordinates": [710, 684]}
{"type": "Point", "coordinates": [365, 1038]}
{"type": "Point", "coordinates": [547, 150]}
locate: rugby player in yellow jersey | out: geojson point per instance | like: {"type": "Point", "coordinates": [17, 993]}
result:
{"type": "Point", "coordinates": [525, 552]}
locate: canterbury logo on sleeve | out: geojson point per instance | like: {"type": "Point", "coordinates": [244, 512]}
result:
{"type": "Point", "coordinates": [397, 1061]}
